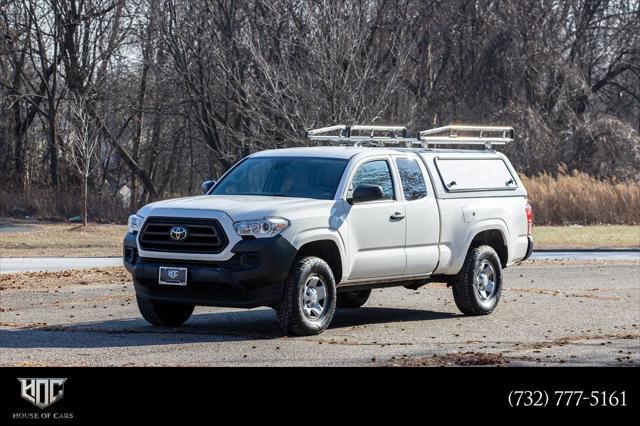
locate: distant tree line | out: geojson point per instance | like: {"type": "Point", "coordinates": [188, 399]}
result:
{"type": "Point", "coordinates": [163, 94]}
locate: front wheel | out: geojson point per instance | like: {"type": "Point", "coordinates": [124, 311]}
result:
{"type": "Point", "coordinates": [477, 287]}
{"type": "Point", "coordinates": [309, 299]}
{"type": "Point", "coordinates": [163, 314]}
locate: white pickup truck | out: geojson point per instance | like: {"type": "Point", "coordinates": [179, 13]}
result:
{"type": "Point", "coordinates": [304, 230]}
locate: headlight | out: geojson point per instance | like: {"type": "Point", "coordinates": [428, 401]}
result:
{"type": "Point", "coordinates": [261, 228]}
{"type": "Point", "coordinates": [134, 224]}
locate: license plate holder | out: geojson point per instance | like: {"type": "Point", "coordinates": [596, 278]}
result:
{"type": "Point", "coordinates": [170, 275]}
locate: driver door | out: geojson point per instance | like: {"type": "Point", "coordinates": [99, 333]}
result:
{"type": "Point", "coordinates": [377, 228]}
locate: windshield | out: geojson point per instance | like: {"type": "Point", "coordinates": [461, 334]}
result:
{"type": "Point", "coordinates": [303, 177]}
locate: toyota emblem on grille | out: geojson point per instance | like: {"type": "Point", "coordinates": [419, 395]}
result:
{"type": "Point", "coordinates": [178, 233]}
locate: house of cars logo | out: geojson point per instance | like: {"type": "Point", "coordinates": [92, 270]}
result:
{"type": "Point", "coordinates": [42, 392]}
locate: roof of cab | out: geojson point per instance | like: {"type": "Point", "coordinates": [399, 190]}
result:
{"type": "Point", "coordinates": [316, 151]}
{"type": "Point", "coordinates": [347, 152]}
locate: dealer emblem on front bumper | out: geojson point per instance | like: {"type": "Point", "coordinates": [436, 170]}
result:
{"type": "Point", "coordinates": [178, 233]}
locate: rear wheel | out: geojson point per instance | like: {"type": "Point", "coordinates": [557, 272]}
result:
{"type": "Point", "coordinates": [309, 297]}
{"type": "Point", "coordinates": [353, 299]}
{"type": "Point", "coordinates": [477, 287]}
{"type": "Point", "coordinates": [163, 314]}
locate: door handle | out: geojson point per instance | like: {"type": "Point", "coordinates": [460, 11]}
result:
{"type": "Point", "coordinates": [397, 216]}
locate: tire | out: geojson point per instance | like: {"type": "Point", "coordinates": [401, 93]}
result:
{"type": "Point", "coordinates": [472, 297]}
{"type": "Point", "coordinates": [163, 314]}
{"type": "Point", "coordinates": [299, 313]}
{"type": "Point", "coordinates": [353, 299]}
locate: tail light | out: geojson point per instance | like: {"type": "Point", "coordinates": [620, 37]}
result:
{"type": "Point", "coordinates": [529, 212]}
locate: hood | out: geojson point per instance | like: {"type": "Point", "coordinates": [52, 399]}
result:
{"type": "Point", "coordinates": [238, 207]}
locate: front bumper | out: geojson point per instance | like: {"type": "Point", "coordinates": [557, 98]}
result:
{"type": "Point", "coordinates": [253, 277]}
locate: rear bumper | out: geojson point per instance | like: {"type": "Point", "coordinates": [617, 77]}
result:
{"type": "Point", "coordinates": [529, 247]}
{"type": "Point", "coordinates": [253, 277]}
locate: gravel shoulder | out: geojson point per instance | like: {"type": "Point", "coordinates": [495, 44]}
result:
{"type": "Point", "coordinates": [551, 313]}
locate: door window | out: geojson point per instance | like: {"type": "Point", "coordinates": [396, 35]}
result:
{"type": "Point", "coordinates": [375, 172]}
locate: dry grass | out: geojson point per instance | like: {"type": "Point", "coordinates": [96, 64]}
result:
{"type": "Point", "coordinates": [592, 237]}
{"type": "Point", "coordinates": [569, 198]}
{"type": "Point", "coordinates": [577, 198]}
{"type": "Point", "coordinates": [64, 240]}
{"type": "Point", "coordinates": [566, 198]}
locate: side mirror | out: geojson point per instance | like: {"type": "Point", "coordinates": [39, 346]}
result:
{"type": "Point", "coordinates": [366, 192]}
{"type": "Point", "coordinates": [207, 185]}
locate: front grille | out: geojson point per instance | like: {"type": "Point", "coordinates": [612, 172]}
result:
{"type": "Point", "coordinates": [203, 235]}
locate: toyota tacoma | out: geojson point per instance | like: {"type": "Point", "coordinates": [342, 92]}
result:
{"type": "Point", "coordinates": [306, 230]}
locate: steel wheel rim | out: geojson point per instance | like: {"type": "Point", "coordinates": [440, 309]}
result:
{"type": "Point", "coordinates": [314, 298]}
{"type": "Point", "coordinates": [485, 281]}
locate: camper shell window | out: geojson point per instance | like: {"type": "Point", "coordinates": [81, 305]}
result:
{"type": "Point", "coordinates": [475, 174]}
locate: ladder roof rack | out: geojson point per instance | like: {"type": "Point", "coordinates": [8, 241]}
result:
{"type": "Point", "coordinates": [468, 135]}
{"type": "Point", "coordinates": [377, 135]}
{"type": "Point", "coordinates": [397, 135]}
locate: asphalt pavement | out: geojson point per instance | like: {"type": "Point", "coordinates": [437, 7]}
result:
{"type": "Point", "coordinates": [551, 313]}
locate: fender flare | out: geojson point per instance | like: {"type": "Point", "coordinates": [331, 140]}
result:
{"type": "Point", "coordinates": [484, 225]}
{"type": "Point", "coordinates": [323, 234]}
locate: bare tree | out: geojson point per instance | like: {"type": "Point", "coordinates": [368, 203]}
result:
{"type": "Point", "coordinates": [179, 90]}
{"type": "Point", "coordinates": [81, 145]}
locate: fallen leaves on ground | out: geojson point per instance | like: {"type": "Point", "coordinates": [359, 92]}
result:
{"type": "Point", "coordinates": [452, 359]}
